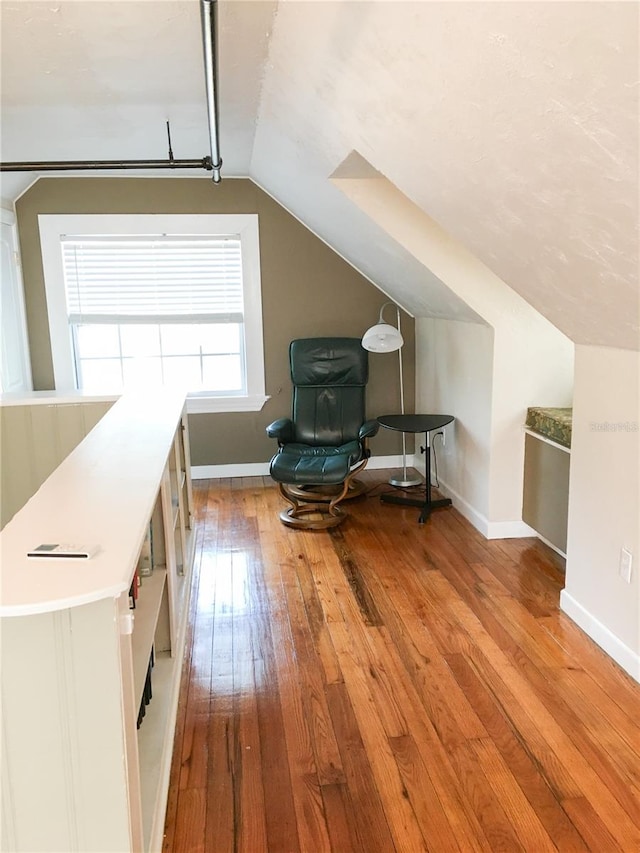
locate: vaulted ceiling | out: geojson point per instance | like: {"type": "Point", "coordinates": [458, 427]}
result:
{"type": "Point", "coordinates": [513, 126]}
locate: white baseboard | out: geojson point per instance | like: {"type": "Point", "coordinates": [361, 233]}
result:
{"type": "Point", "coordinates": [489, 529]}
{"type": "Point", "coordinates": [261, 469]}
{"type": "Point", "coordinates": [625, 657]}
{"type": "Point", "coordinates": [235, 469]}
{"type": "Point", "coordinates": [552, 546]}
{"type": "Point", "coordinates": [509, 530]}
{"type": "Point", "coordinates": [377, 462]}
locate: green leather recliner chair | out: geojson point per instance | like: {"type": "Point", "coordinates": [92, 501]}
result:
{"type": "Point", "coordinates": [324, 444]}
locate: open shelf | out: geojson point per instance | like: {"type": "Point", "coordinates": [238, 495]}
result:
{"type": "Point", "coordinates": [155, 741]}
{"type": "Point", "coordinates": [146, 614]}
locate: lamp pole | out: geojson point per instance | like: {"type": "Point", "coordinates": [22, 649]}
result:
{"type": "Point", "coordinates": [405, 481]}
{"type": "Point", "coordinates": [384, 338]}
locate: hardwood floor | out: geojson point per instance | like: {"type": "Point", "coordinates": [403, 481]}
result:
{"type": "Point", "coordinates": [388, 686]}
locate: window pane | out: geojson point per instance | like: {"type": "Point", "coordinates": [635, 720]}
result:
{"type": "Point", "coordinates": [180, 339]}
{"type": "Point", "coordinates": [140, 339]}
{"type": "Point", "coordinates": [141, 372]}
{"type": "Point", "coordinates": [221, 338]}
{"type": "Point", "coordinates": [101, 375]}
{"type": "Point", "coordinates": [97, 341]}
{"type": "Point", "coordinates": [183, 371]}
{"type": "Point", "coordinates": [222, 373]}
{"type": "Point", "coordinates": [194, 356]}
{"type": "Point", "coordinates": [192, 338]}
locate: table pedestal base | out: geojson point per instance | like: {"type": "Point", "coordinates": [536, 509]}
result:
{"type": "Point", "coordinates": [427, 505]}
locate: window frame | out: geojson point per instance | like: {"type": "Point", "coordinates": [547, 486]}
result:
{"type": "Point", "coordinates": [53, 226]}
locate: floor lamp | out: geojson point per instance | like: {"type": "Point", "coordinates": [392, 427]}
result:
{"type": "Point", "coordinates": [385, 338]}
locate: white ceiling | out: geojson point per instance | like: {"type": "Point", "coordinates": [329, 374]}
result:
{"type": "Point", "coordinates": [513, 125]}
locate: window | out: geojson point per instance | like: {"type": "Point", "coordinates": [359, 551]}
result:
{"type": "Point", "coordinates": [138, 300]}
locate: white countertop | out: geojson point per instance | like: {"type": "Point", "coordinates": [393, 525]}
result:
{"type": "Point", "coordinates": [102, 494]}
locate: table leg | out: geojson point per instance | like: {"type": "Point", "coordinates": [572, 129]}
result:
{"type": "Point", "coordinates": [427, 505]}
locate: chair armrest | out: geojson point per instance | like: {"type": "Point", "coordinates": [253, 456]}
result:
{"type": "Point", "coordinates": [282, 429]}
{"type": "Point", "coordinates": [368, 429]}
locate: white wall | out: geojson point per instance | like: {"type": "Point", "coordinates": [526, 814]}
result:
{"type": "Point", "coordinates": [531, 364]}
{"type": "Point", "coordinates": [487, 378]}
{"type": "Point", "coordinates": [454, 375]}
{"type": "Point", "coordinates": [604, 502]}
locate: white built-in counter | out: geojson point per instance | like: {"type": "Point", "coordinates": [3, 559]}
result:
{"type": "Point", "coordinates": [101, 494]}
{"type": "Point", "coordinates": [77, 774]}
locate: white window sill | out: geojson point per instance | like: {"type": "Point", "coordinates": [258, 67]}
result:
{"type": "Point", "coordinates": [205, 405]}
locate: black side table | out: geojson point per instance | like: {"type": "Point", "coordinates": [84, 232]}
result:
{"type": "Point", "coordinates": [425, 424]}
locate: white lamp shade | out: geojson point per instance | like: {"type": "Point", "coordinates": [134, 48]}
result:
{"type": "Point", "coordinates": [382, 338]}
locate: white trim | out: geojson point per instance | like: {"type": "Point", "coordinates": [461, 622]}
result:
{"type": "Point", "coordinates": [626, 657]}
{"type": "Point", "coordinates": [489, 529]}
{"type": "Point", "coordinates": [510, 530]}
{"type": "Point", "coordinates": [13, 292]}
{"type": "Point", "coordinates": [377, 462]}
{"type": "Point", "coordinates": [233, 469]}
{"type": "Point", "coordinates": [546, 440]}
{"type": "Point", "coordinates": [52, 226]}
{"type": "Point", "coordinates": [551, 545]}
{"type": "Point", "coordinates": [261, 469]}
{"type": "Point", "coordinates": [477, 519]}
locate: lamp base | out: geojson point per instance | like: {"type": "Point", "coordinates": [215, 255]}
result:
{"type": "Point", "coordinates": [404, 480]}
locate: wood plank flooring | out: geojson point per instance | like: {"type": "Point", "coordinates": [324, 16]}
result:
{"type": "Point", "coordinates": [388, 686]}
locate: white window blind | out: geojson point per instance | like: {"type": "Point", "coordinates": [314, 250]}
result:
{"type": "Point", "coordinates": [142, 279]}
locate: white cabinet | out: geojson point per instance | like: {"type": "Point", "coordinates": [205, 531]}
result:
{"type": "Point", "coordinates": [77, 774]}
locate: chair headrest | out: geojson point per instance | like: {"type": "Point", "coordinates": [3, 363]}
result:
{"type": "Point", "coordinates": [328, 361]}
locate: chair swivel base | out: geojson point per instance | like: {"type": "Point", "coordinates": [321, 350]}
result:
{"type": "Point", "coordinates": [298, 516]}
{"type": "Point", "coordinates": [320, 501]}
{"type": "Point", "coordinates": [311, 514]}
{"type": "Point", "coordinates": [326, 492]}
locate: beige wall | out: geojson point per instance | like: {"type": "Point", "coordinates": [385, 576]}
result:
{"type": "Point", "coordinates": [307, 291]}
{"type": "Point", "coordinates": [34, 439]}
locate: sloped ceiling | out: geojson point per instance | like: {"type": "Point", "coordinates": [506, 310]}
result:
{"type": "Point", "coordinates": [513, 125]}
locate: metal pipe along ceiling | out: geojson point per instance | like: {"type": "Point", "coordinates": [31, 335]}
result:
{"type": "Point", "coordinates": [212, 163]}
{"type": "Point", "coordinates": [209, 10]}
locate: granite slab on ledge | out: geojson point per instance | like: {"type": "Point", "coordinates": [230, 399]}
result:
{"type": "Point", "coordinates": [553, 423]}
